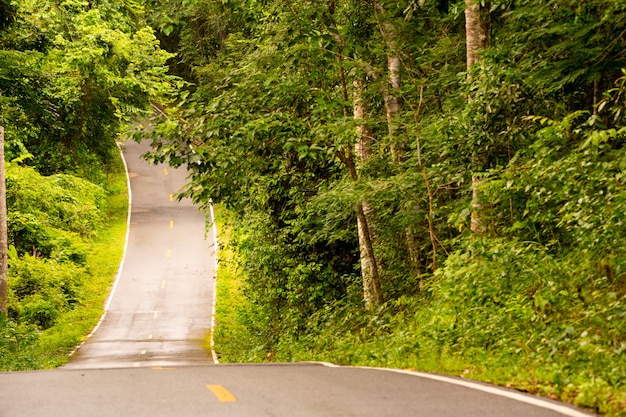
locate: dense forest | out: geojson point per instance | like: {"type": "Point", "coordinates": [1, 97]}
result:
{"type": "Point", "coordinates": [432, 184]}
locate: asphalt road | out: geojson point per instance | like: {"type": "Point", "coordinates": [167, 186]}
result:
{"type": "Point", "coordinates": [146, 359]}
{"type": "Point", "coordinates": [160, 310]}
{"type": "Point", "coordinates": [298, 390]}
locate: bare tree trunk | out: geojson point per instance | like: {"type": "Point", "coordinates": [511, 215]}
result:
{"type": "Point", "coordinates": [475, 32]}
{"type": "Point", "coordinates": [476, 40]}
{"type": "Point", "coordinates": [4, 291]}
{"type": "Point", "coordinates": [372, 290]}
{"type": "Point", "coordinates": [391, 91]}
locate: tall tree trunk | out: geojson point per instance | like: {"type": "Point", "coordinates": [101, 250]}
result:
{"type": "Point", "coordinates": [475, 32]}
{"type": "Point", "coordinates": [372, 290]}
{"type": "Point", "coordinates": [4, 291]}
{"type": "Point", "coordinates": [391, 90]}
{"type": "Point", "coordinates": [476, 40]}
{"type": "Point", "coordinates": [393, 107]}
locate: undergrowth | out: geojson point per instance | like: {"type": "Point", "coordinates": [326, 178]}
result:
{"type": "Point", "coordinates": [505, 312]}
{"type": "Point", "coordinates": [66, 240]}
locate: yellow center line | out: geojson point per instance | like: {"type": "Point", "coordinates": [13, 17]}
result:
{"type": "Point", "coordinates": [222, 394]}
{"type": "Point", "coordinates": [171, 224]}
{"type": "Point", "coordinates": [165, 171]}
{"type": "Point", "coordinates": [169, 253]}
{"type": "Point", "coordinates": [162, 284]}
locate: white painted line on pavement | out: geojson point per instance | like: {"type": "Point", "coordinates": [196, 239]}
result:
{"type": "Point", "coordinates": [528, 399]}
{"type": "Point", "coordinates": [121, 266]}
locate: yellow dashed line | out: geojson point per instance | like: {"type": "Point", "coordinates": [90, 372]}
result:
{"type": "Point", "coordinates": [169, 253]}
{"type": "Point", "coordinates": [162, 284]}
{"type": "Point", "coordinates": [222, 394]}
{"type": "Point", "coordinates": [165, 171]}
{"type": "Point", "coordinates": [171, 224]}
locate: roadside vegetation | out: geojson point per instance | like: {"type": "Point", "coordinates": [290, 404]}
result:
{"type": "Point", "coordinates": [511, 315]}
{"type": "Point", "coordinates": [67, 238]}
{"type": "Point", "coordinates": [73, 74]}
{"type": "Point", "coordinates": [438, 185]}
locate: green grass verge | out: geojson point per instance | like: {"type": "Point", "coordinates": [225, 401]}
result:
{"type": "Point", "coordinates": [231, 336]}
{"type": "Point", "coordinates": [35, 349]}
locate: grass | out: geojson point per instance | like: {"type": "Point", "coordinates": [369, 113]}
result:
{"type": "Point", "coordinates": [231, 335]}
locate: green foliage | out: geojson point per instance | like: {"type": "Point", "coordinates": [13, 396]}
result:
{"type": "Point", "coordinates": [70, 73]}
{"type": "Point", "coordinates": [535, 130]}
{"type": "Point", "coordinates": [50, 216]}
{"type": "Point", "coordinates": [64, 254]}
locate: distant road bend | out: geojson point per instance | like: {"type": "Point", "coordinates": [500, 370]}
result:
{"type": "Point", "coordinates": [146, 356]}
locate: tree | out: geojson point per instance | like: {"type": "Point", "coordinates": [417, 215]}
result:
{"type": "Point", "coordinates": [476, 41]}
{"type": "Point", "coordinates": [370, 274]}
{"type": "Point", "coordinates": [72, 74]}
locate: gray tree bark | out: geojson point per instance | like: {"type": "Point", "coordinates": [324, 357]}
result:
{"type": "Point", "coordinates": [372, 289]}
{"type": "Point", "coordinates": [476, 40]}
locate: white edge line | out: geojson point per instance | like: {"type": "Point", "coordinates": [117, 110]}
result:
{"type": "Point", "coordinates": [525, 398]}
{"type": "Point", "coordinates": [214, 301]}
{"type": "Point", "coordinates": [121, 266]}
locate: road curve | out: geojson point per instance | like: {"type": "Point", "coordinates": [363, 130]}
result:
{"type": "Point", "coordinates": [298, 390]}
{"type": "Point", "coordinates": [145, 358]}
{"type": "Point", "coordinates": [160, 309]}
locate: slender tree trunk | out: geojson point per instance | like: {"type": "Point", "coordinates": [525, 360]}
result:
{"type": "Point", "coordinates": [372, 290]}
{"type": "Point", "coordinates": [475, 31]}
{"type": "Point", "coordinates": [391, 91]}
{"type": "Point", "coordinates": [476, 40]}
{"type": "Point", "coordinates": [393, 108]}
{"type": "Point", "coordinates": [4, 291]}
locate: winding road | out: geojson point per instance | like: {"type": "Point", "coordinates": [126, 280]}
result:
{"type": "Point", "coordinates": [146, 358]}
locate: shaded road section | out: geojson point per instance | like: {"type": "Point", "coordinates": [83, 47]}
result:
{"type": "Point", "coordinates": [160, 310]}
